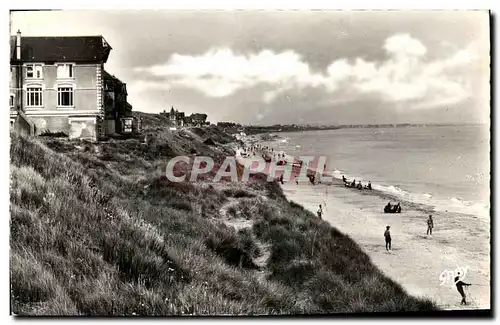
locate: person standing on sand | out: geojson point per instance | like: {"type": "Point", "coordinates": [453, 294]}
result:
{"type": "Point", "coordinates": [320, 211]}
{"type": "Point", "coordinates": [430, 225]}
{"type": "Point", "coordinates": [387, 235]}
{"type": "Point", "coordinates": [460, 287]}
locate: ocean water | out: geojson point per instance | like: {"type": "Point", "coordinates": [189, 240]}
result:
{"type": "Point", "coordinates": [447, 167]}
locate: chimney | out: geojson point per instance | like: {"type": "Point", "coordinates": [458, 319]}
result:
{"type": "Point", "coordinates": [18, 45]}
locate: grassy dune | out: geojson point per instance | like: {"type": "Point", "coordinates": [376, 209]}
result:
{"type": "Point", "coordinates": [97, 230]}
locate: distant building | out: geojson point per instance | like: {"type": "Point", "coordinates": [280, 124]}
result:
{"type": "Point", "coordinates": [228, 125]}
{"type": "Point", "coordinates": [175, 117]}
{"type": "Point", "coordinates": [180, 119]}
{"type": "Point", "coordinates": [198, 119]}
{"type": "Point", "coordinates": [188, 121]}
{"type": "Point", "coordinates": [58, 84]}
{"type": "Point", "coordinates": [118, 112]}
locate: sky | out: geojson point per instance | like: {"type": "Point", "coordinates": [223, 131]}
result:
{"type": "Point", "coordinates": [292, 67]}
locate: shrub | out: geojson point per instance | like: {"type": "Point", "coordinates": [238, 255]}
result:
{"type": "Point", "coordinates": [48, 133]}
{"type": "Point", "coordinates": [228, 245]}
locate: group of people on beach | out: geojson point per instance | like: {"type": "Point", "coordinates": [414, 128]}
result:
{"type": "Point", "coordinates": [389, 208]}
{"type": "Point", "coordinates": [387, 233]}
{"type": "Point", "coordinates": [392, 208]}
{"type": "Point", "coordinates": [359, 186]}
{"type": "Point", "coordinates": [430, 225]}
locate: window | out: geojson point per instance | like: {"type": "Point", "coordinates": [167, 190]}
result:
{"type": "Point", "coordinates": [64, 71]}
{"type": "Point", "coordinates": [65, 96]}
{"type": "Point", "coordinates": [11, 102]}
{"type": "Point", "coordinates": [34, 96]}
{"type": "Point", "coordinates": [34, 71]}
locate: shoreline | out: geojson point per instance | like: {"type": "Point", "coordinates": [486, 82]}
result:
{"type": "Point", "coordinates": [417, 260]}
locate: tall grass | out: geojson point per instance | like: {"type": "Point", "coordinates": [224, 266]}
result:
{"type": "Point", "coordinates": [96, 230]}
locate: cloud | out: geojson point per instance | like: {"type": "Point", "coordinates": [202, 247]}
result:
{"type": "Point", "coordinates": [404, 45]}
{"type": "Point", "coordinates": [269, 96]}
{"type": "Point", "coordinates": [220, 72]}
{"type": "Point", "coordinates": [404, 75]}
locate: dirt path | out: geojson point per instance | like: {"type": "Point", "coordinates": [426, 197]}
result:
{"type": "Point", "coordinates": [239, 223]}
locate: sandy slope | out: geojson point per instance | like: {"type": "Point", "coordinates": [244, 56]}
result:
{"type": "Point", "coordinates": [416, 260]}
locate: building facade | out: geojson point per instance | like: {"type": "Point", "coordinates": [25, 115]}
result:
{"type": "Point", "coordinates": [117, 110]}
{"type": "Point", "coordinates": [180, 119]}
{"type": "Point", "coordinates": [57, 85]}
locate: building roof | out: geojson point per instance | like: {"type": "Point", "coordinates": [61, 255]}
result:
{"type": "Point", "coordinates": [199, 116]}
{"type": "Point", "coordinates": [113, 83]}
{"type": "Point", "coordinates": [61, 49]}
{"type": "Point", "coordinates": [110, 79]}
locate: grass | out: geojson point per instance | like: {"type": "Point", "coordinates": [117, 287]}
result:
{"type": "Point", "coordinates": [96, 230]}
{"type": "Point", "coordinates": [311, 257]}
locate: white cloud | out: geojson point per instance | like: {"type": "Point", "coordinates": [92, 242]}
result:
{"type": "Point", "coordinates": [406, 75]}
{"type": "Point", "coordinates": [220, 72]}
{"type": "Point", "coordinates": [269, 96]}
{"type": "Point", "coordinates": [404, 45]}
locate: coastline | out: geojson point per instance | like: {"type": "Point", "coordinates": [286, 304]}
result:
{"type": "Point", "coordinates": [416, 260]}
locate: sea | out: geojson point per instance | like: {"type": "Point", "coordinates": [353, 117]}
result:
{"type": "Point", "coordinates": [446, 167]}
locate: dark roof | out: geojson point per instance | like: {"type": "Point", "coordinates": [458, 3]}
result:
{"type": "Point", "coordinates": [113, 83]}
{"type": "Point", "coordinates": [110, 79]}
{"type": "Point", "coordinates": [62, 49]}
{"type": "Point", "coordinates": [199, 116]}
{"type": "Point", "coordinates": [209, 141]}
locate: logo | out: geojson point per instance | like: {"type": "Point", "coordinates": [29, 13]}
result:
{"type": "Point", "coordinates": [237, 169]}
{"type": "Point", "coordinates": [449, 276]}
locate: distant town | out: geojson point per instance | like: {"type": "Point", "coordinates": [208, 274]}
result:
{"type": "Point", "coordinates": [254, 129]}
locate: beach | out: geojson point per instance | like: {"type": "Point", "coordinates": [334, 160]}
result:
{"type": "Point", "coordinates": [416, 260]}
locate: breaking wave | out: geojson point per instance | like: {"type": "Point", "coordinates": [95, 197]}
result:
{"type": "Point", "coordinates": [452, 204]}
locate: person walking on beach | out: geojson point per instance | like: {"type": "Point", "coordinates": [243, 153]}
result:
{"type": "Point", "coordinates": [320, 211]}
{"type": "Point", "coordinates": [387, 235]}
{"type": "Point", "coordinates": [430, 225]}
{"type": "Point", "coordinates": [460, 287]}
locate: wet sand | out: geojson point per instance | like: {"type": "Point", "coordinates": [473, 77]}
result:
{"type": "Point", "coordinates": [416, 260]}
